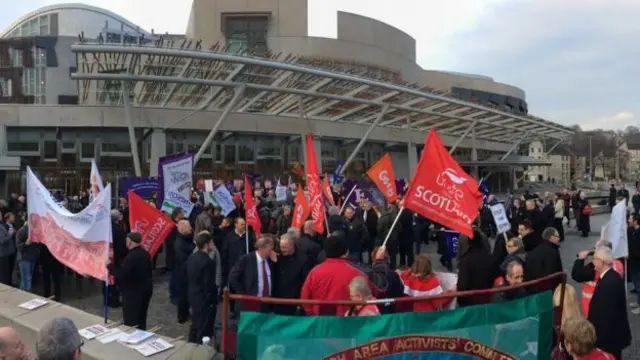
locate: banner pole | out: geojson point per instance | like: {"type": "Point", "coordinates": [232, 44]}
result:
{"type": "Point", "coordinates": [392, 226]}
{"type": "Point", "coordinates": [346, 200]}
{"type": "Point", "coordinates": [626, 270]}
{"type": "Point", "coordinates": [246, 237]}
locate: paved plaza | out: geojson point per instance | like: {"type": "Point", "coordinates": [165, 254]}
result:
{"type": "Point", "coordinates": [86, 294]}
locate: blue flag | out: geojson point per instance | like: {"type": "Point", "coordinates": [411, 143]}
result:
{"type": "Point", "coordinates": [336, 172]}
{"type": "Point", "coordinates": [482, 187]}
{"type": "Point", "coordinates": [451, 242]}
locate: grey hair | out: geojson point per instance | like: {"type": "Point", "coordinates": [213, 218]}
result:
{"type": "Point", "coordinates": [360, 286]}
{"type": "Point", "coordinates": [604, 254]}
{"type": "Point", "coordinates": [288, 238]}
{"type": "Point", "coordinates": [517, 242]}
{"type": "Point", "coordinates": [308, 225]}
{"type": "Point", "coordinates": [511, 266]}
{"type": "Point", "coordinates": [333, 210]}
{"type": "Point", "coordinates": [263, 242]}
{"type": "Point", "coordinates": [294, 232]}
{"type": "Point", "coordinates": [58, 340]}
{"type": "Point", "coordinates": [115, 214]}
{"type": "Point", "coordinates": [604, 243]}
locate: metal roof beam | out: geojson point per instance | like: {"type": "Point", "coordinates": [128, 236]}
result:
{"type": "Point", "coordinates": [290, 99]}
{"type": "Point", "coordinates": [277, 82]}
{"type": "Point", "coordinates": [216, 92]}
{"type": "Point", "coordinates": [129, 77]}
{"type": "Point", "coordinates": [464, 135]}
{"type": "Point", "coordinates": [144, 49]}
{"type": "Point", "coordinates": [329, 104]}
{"type": "Point", "coordinates": [462, 127]}
{"type": "Point", "coordinates": [396, 119]}
{"type": "Point", "coordinates": [355, 151]}
{"type": "Point", "coordinates": [362, 107]}
{"type": "Point", "coordinates": [174, 85]}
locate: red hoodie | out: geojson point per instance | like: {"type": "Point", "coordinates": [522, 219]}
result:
{"type": "Point", "coordinates": [329, 281]}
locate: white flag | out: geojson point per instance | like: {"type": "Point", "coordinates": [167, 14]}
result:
{"type": "Point", "coordinates": [616, 230]}
{"type": "Point", "coordinates": [96, 181]}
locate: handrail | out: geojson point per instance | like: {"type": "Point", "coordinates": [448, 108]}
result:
{"type": "Point", "coordinates": [445, 295]}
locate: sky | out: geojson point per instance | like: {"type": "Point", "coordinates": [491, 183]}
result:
{"type": "Point", "coordinates": [575, 59]}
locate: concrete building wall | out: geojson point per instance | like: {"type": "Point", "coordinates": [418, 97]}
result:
{"type": "Point", "coordinates": [58, 81]}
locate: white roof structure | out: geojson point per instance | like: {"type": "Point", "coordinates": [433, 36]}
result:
{"type": "Point", "coordinates": [180, 76]}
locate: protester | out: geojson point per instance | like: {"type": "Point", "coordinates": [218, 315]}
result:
{"type": "Point", "coordinates": [202, 288]}
{"type": "Point", "coordinates": [570, 307]}
{"type": "Point", "coordinates": [292, 269]}
{"type": "Point", "coordinates": [475, 267]}
{"type": "Point", "coordinates": [584, 213]}
{"type": "Point", "coordinates": [544, 260]}
{"type": "Point", "coordinates": [183, 249]}
{"type": "Point", "coordinates": [394, 288]}
{"type": "Point", "coordinates": [27, 256]}
{"type": "Point", "coordinates": [634, 256]}
{"type": "Point", "coordinates": [59, 339]}
{"type": "Point", "coordinates": [254, 273]}
{"type": "Point", "coordinates": [307, 245]}
{"type": "Point", "coordinates": [12, 347]}
{"type": "Point", "coordinates": [580, 341]}
{"type": "Point", "coordinates": [236, 244]}
{"type": "Point", "coordinates": [530, 238]}
{"type": "Point", "coordinates": [385, 230]}
{"type": "Point", "coordinates": [7, 250]}
{"type": "Point", "coordinates": [421, 281]}
{"type": "Point", "coordinates": [356, 234]}
{"type": "Point", "coordinates": [515, 252]}
{"type": "Point", "coordinates": [359, 290]}
{"type": "Point", "coordinates": [514, 275]}
{"type": "Point", "coordinates": [134, 277]}
{"type": "Point", "coordinates": [558, 216]}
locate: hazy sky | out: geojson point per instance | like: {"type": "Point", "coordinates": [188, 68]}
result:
{"type": "Point", "coordinates": [576, 59]}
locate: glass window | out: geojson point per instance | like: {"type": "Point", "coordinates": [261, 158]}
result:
{"type": "Point", "coordinates": [294, 154]}
{"type": "Point", "coordinates": [113, 146]}
{"type": "Point", "coordinates": [229, 154]}
{"type": "Point", "coordinates": [269, 151]}
{"type": "Point", "coordinates": [23, 146]}
{"type": "Point", "coordinates": [245, 153]}
{"type": "Point", "coordinates": [51, 150]}
{"type": "Point", "coordinates": [88, 150]}
{"type": "Point", "coordinates": [69, 159]}
{"type": "Point", "coordinates": [218, 153]}
{"type": "Point", "coordinates": [68, 145]}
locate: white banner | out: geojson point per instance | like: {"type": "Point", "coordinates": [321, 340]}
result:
{"type": "Point", "coordinates": [178, 180]}
{"type": "Point", "coordinates": [95, 180]}
{"type": "Point", "coordinates": [616, 231]}
{"type": "Point", "coordinates": [79, 241]}
{"type": "Point", "coordinates": [500, 218]}
{"type": "Point", "coordinates": [225, 200]}
{"type": "Point", "coordinates": [281, 193]}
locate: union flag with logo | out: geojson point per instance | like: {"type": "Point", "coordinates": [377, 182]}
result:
{"type": "Point", "coordinates": [250, 210]}
{"type": "Point", "coordinates": [315, 187]}
{"type": "Point", "coordinates": [441, 191]}
{"type": "Point", "coordinates": [381, 173]}
{"type": "Point", "coordinates": [301, 210]}
{"type": "Point", "coordinates": [326, 190]}
{"type": "Point", "coordinates": [150, 222]}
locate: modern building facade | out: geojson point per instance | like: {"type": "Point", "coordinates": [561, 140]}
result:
{"type": "Point", "coordinates": [57, 117]}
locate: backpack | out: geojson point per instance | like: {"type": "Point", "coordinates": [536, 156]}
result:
{"type": "Point", "coordinates": [587, 210]}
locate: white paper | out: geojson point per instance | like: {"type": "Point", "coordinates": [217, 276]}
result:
{"type": "Point", "coordinates": [112, 335]}
{"type": "Point", "coordinates": [152, 347]}
{"type": "Point", "coordinates": [33, 304]}
{"type": "Point", "coordinates": [137, 337]}
{"type": "Point", "coordinates": [93, 331]}
{"type": "Point", "coordinates": [500, 218]}
{"type": "Point", "coordinates": [208, 185]}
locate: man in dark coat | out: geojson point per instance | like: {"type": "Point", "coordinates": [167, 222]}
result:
{"type": "Point", "coordinates": [306, 245]}
{"type": "Point", "coordinates": [356, 234]}
{"type": "Point", "coordinates": [530, 238]}
{"type": "Point", "coordinates": [254, 273]}
{"type": "Point", "coordinates": [235, 246]}
{"type": "Point", "coordinates": [608, 307]}
{"type": "Point", "coordinates": [292, 269]}
{"type": "Point", "coordinates": [544, 260]}
{"type": "Point", "coordinates": [202, 289]}
{"type": "Point", "coordinates": [183, 247]}
{"type": "Point", "coordinates": [119, 246]}
{"type": "Point", "coordinates": [384, 227]}
{"type": "Point", "coordinates": [613, 193]}
{"type": "Point", "coordinates": [475, 267]}
{"type": "Point", "coordinates": [406, 237]}
{"type": "Point", "coordinates": [134, 277]}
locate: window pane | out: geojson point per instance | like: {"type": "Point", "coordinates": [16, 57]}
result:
{"type": "Point", "coordinates": [229, 154]}
{"type": "Point", "coordinates": [50, 150]}
{"type": "Point", "coordinates": [69, 145]}
{"type": "Point", "coordinates": [23, 146]}
{"type": "Point", "coordinates": [69, 159]}
{"type": "Point", "coordinates": [88, 150]}
{"type": "Point", "coordinates": [116, 147]}
{"type": "Point", "coordinates": [268, 151]}
{"type": "Point", "coordinates": [245, 153]}
{"type": "Point", "coordinates": [218, 153]}
{"type": "Point", "coordinates": [29, 160]}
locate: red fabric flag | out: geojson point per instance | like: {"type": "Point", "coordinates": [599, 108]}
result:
{"type": "Point", "coordinates": [326, 189]}
{"type": "Point", "coordinates": [441, 190]}
{"type": "Point", "coordinates": [313, 185]}
{"type": "Point", "coordinates": [150, 222]}
{"type": "Point", "coordinates": [301, 210]}
{"type": "Point", "coordinates": [250, 211]}
{"type": "Point", "coordinates": [381, 173]}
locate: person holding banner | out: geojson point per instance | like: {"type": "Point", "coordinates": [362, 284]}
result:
{"type": "Point", "coordinates": [475, 267]}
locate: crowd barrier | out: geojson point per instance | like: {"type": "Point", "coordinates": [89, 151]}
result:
{"type": "Point", "coordinates": [256, 305]}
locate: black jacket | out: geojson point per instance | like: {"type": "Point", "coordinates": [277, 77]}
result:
{"type": "Point", "coordinates": [201, 275]}
{"type": "Point", "coordinates": [291, 271]}
{"type": "Point", "coordinates": [134, 274]}
{"type": "Point", "coordinates": [233, 248]}
{"type": "Point", "coordinates": [243, 277]}
{"type": "Point", "coordinates": [384, 226]}
{"type": "Point", "coordinates": [544, 260]}
{"type": "Point", "coordinates": [309, 248]}
{"type": "Point", "coordinates": [531, 241]}
{"type": "Point", "coordinates": [357, 234]}
{"type": "Point", "coordinates": [608, 313]}
{"type": "Point", "coordinates": [475, 272]}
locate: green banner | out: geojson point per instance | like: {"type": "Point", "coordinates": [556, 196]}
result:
{"type": "Point", "coordinates": [520, 329]}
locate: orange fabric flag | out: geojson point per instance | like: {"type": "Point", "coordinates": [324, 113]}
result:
{"type": "Point", "coordinates": [381, 173]}
{"type": "Point", "coordinates": [314, 187]}
{"type": "Point", "coordinates": [301, 210]}
{"type": "Point", "coordinates": [250, 211]}
{"type": "Point", "coordinates": [326, 189]}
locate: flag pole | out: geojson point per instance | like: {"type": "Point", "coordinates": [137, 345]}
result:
{"type": "Point", "coordinates": [246, 237]}
{"type": "Point", "coordinates": [346, 200]}
{"type": "Point", "coordinates": [393, 225]}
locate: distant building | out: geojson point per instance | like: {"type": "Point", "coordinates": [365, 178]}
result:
{"type": "Point", "coordinates": [560, 170]}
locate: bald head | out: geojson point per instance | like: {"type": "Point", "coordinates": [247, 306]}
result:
{"type": "Point", "coordinates": [184, 227]}
{"type": "Point", "coordinates": [11, 346]}
{"type": "Point", "coordinates": [308, 227]}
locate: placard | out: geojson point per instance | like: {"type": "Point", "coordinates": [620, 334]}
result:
{"type": "Point", "coordinates": [208, 185]}
{"type": "Point", "coordinates": [93, 331]}
{"type": "Point", "coordinates": [112, 335]}
{"type": "Point", "coordinates": [33, 304]}
{"type": "Point", "coordinates": [153, 347]}
{"type": "Point", "coordinates": [500, 218]}
{"type": "Point", "coordinates": [137, 337]}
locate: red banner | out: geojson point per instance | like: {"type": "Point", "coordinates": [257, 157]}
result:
{"type": "Point", "coordinates": [301, 210]}
{"type": "Point", "coordinates": [153, 225]}
{"type": "Point", "coordinates": [441, 191]}
{"type": "Point", "coordinates": [326, 189]}
{"type": "Point", "coordinates": [250, 211]}
{"type": "Point", "coordinates": [381, 173]}
{"type": "Point", "coordinates": [313, 186]}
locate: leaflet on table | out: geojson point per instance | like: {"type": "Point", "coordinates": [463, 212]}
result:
{"type": "Point", "coordinates": [112, 335]}
{"type": "Point", "coordinates": [33, 304]}
{"type": "Point", "coordinates": [93, 331]}
{"type": "Point", "coordinates": [152, 346]}
{"type": "Point", "coordinates": [137, 337]}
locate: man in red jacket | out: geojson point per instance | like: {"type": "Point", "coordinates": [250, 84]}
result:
{"type": "Point", "coordinates": [330, 280]}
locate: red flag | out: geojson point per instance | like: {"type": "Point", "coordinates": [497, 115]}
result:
{"type": "Point", "coordinates": [301, 210]}
{"type": "Point", "coordinates": [313, 185]}
{"type": "Point", "coordinates": [150, 222]}
{"type": "Point", "coordinates": [250, 211]}
{"type": "Point", "coordinates": [441, 190]}
{"type": "Point", "coordinates": [381, 173]}
{"type": "Point", "coordinates": [326, 189]}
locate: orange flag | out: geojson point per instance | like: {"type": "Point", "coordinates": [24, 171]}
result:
{"type": "Point", "coordinates": [301, 210]}
{"type": "Point", "coordinates": [314, 187]}
{"type": "Point", "coordinates": [326, 189]}
{"type": "Point", "coordinates": [250, 211]}
{"type": "Point", "coordinates": [381, 173]}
